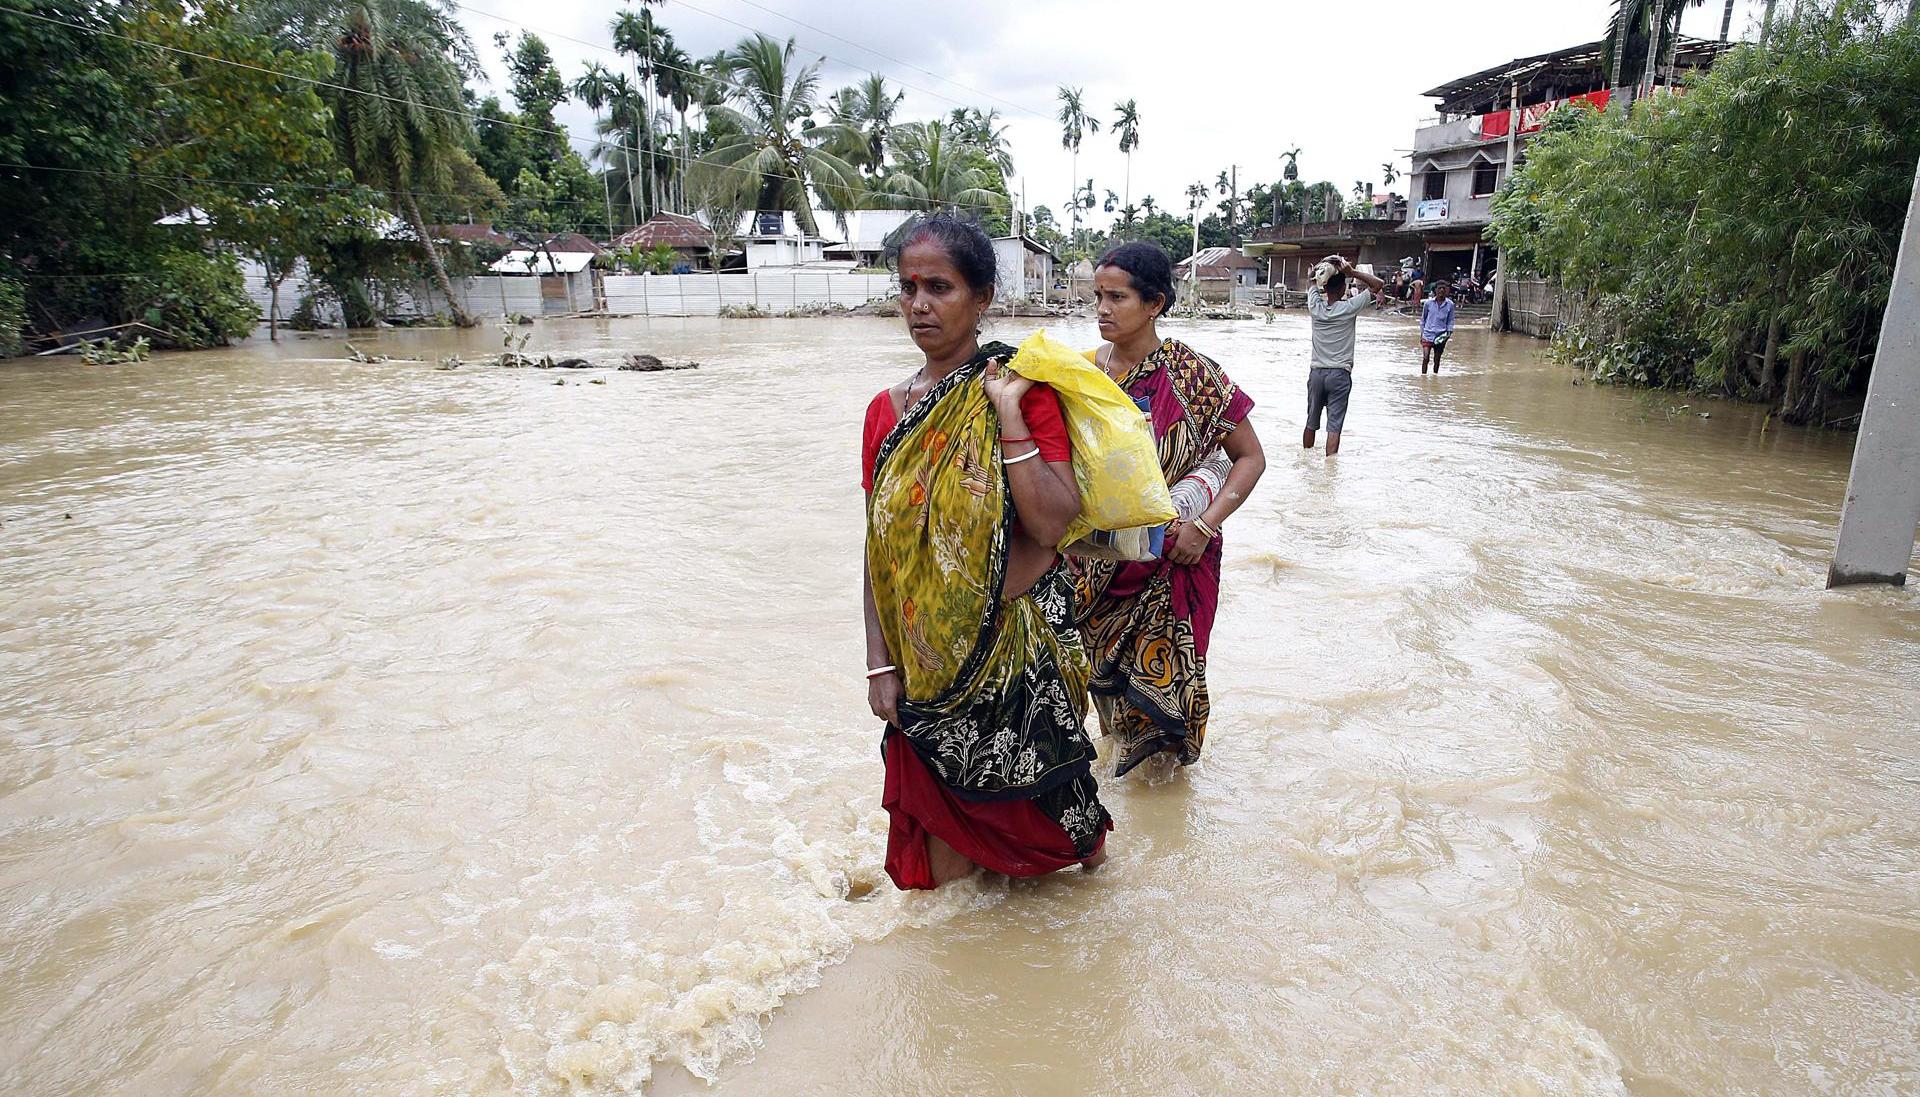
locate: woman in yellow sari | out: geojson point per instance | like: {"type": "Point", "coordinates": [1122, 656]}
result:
{"type": "Point", "coordinates": [974, 661]}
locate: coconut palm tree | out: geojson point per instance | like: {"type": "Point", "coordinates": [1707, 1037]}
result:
{"type": "Point", "coordinates": [933, 171]}
{"type": "Point", "coordinates": [1075, 124]}
{"type": "Point", "coordinates": [402, 128]}
{"type": "Point", "coordinates": [1389, 172]}
{"type": "Point", "coordinates": [982, 130]}
{"type": "Point", "coordinates": [770, 103]}
{"type": "Point", "coordinates": [1126, 123]}
{"type": "Point", "coordinates": [1149, 205]}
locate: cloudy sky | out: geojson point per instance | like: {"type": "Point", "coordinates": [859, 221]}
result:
{"type": "Point", "coordinates": [1218, 82]}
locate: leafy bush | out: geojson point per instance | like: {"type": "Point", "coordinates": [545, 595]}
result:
{"type": "Point", "coordinates": [197, 300]}
{"type": "Point", "coordinates": [13, 318]}
{"type": "Point", "coordinates": [1740, 237]}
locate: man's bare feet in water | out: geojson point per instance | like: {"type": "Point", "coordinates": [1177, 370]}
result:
{"type": "Point", "coordinates": [1095, 861]}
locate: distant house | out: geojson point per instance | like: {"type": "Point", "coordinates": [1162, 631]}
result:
{"type": "Point", "coordinates": [866, 234]}
{"type": "Point", "coordinates": [691, 241]}
{"type": "Point", "coordinates": [1218, 271]}
{"type": "Point", "coordinates": [773, 238]}
{"type": "Point", "coordinates": [1025, 268]}
{"type": "Point", "coordinates": [566, 280]}
{"type": "Point", "coordinates": [572, 243]}
{"type": "Point", "coordinates": [481, 233]}
{"type": "Point", "coordinates": [1460, 158]}
{"type": "Point", "coordinates": [1290, 251]}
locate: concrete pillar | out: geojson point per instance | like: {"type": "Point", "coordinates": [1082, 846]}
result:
{"type": "Point", "coordinates": [1883, 492]}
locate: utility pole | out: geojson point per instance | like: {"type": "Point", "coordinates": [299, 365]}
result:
{"type": "Point", "coordinates": [1498, 320]}
{"type": "Point", "coordinates": [1193, 264]}
{"type": "Point", "coordinates": [1882, 507]}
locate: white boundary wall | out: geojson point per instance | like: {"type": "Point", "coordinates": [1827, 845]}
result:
{"type": "Point", "coordinates": [706, 294]}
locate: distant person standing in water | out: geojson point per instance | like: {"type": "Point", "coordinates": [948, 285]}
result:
{"type": "Point", "coordinates": [1334, 318]}
{"type": "Point", "coordinates": [1146, 623]}
{"type": "Point", "coordinates": [973, 658]}
{"type": "Point", "coordinates": [1436, 324]}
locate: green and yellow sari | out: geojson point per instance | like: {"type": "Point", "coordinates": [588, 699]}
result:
{"type": "Point", "coordinates": [995, 691]}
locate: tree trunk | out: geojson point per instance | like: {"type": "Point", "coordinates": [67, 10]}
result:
{"type": "Point", "coordinates": [1726, 20]}
{"type": "Point", "coordinates": [1770, 357]}
{"type": "Point", "coordinates": [1619, 46]}
{"type": "Point", "coordinates": [1766, 23]}
{"type": "Point", "coordinates": [1654, 32]}
{"type": "Point", "coordinates": [440, 278]}
{"type": "Point", "coordinates": [1792, 400]}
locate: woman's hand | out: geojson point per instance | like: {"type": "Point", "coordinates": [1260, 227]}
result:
{"type": "Point", "coordinates": [1004, 387]}
{"type": "Point", "coordinates": [883, 697]}
{"type": "Point", "coordinates": [1185, 543]}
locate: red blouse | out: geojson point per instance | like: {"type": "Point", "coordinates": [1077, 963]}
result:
{"type": "Point", "coordinates": [1039, 407]}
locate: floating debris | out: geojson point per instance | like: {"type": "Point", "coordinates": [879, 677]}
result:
{"type": "Point", "coordinates": [647, 363]}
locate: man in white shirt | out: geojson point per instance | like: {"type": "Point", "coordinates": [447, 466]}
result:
{"type": "Point", "coordinates": [1335, 315]}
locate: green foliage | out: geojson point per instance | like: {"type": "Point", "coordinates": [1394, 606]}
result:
{"type": "Point", "coordinates": [1738, 238]}
{"type": "Point", "coordinates": [13, 318]}
{"type": "Point", "coordinates": [197, 300]}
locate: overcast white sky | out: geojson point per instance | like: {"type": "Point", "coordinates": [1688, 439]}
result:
{"type": "Point", "coordinates": [1218, 82]}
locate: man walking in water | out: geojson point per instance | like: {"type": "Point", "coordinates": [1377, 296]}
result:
{"type": "Point", "coordinates": [1330, 376]}
{"type": "Point", "coordinates": [1436, 325]}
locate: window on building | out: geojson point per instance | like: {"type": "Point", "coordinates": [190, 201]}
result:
{"type": "Point", "coordinates": [1434, 187]}
{"type": "Point", "coordinates": [1486, 178]}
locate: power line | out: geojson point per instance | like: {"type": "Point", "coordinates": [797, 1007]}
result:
{"type": "Point", "coordinates": [561, 132]}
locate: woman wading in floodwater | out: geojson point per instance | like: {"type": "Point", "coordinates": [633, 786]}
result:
{"type": "Point", "coordinates": [1146, 624]}
{"type": "Point", "coordinates": [974, 662]}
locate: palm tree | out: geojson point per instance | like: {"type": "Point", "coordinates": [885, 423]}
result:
{"type": "Point", "coordinates": [638, 36]}
{"type": "Point", "coordinates": [1149, 205]}
{"type": "Point", "coordinates": [1112, 203]}
{"type": "Point", "coordinates": [594, 87]}
{"type": "Point", "coordinates": [1126, 123]}
{"type": "Point", "coordinates": [1075, 124]}
{"type": "Point", "coordinates": [1292, 171]}
{"type": "Point", "coordinates": [1389, 172]}
{"type": "Point", "coordinates": [1640, 32]}
{"type": "Point", "coordinates": [675, 78]}
{"type": "Point", "coordinates": [766, 114]}
{"type": "Point", "coordinates": [932, 171]}
{"type": "Point", "coordinates": [619, 144]}
{"type": "Point", "coordinates": [1726, 21]}
{"type": "Point", "coordinates": [403, 126]}
{"type": "Point", "coordinates": [983, 131]}
{"type": "Point", "coordinates": [866, 109]}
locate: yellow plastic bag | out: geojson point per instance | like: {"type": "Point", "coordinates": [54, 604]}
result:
{"type": "Point", "coordinates": [1115, 460]}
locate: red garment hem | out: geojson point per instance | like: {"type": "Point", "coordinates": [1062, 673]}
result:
{"type": "Point", "coordinates": [1013, 837]}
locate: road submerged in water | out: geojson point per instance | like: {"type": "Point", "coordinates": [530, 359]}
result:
{"type": "Point", "coordinates": [367, 727]}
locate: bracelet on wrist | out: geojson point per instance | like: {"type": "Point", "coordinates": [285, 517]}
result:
{"type": "Point", "coordinates": [1029, 455]}
{"type": "Point", "coordinates": [1200, 524]}
{"type": "Point", "coordinates": [1010, 441]}
{"type": "Point", "coordinates": [878, 671]}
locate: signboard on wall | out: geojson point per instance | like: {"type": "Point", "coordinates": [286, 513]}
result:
{"type": "Point", "coordinates": [1433, 209]}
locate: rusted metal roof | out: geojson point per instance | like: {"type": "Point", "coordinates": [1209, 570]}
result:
{"type": "Point", "coordinates": [675, 230]}
{"type": "Point", "coordinates": [1579, 67]}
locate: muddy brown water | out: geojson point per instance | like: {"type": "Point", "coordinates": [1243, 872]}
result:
{"type": "Point", "coordinates": [380, 729]}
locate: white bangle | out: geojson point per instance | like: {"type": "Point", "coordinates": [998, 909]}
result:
{"type": "Point", "coordinates": [878, 671]}
{"type": "Point", "coordinates": [1025, 456]}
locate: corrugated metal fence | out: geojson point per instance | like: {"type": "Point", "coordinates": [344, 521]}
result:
{"type": "Point", "coordinates": [707, 294]}
{"type": "Point", "coordinates": [620, 294]}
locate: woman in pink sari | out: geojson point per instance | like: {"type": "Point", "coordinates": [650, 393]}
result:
{"type": "Point", "coordinates": [1146, 624]}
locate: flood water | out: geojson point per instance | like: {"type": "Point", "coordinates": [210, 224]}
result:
{"type": "Point", "coordinates": [386, 730]}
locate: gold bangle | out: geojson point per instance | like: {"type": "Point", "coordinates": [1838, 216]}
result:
{"type": "Point", "coordinates": [1201, 523]}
